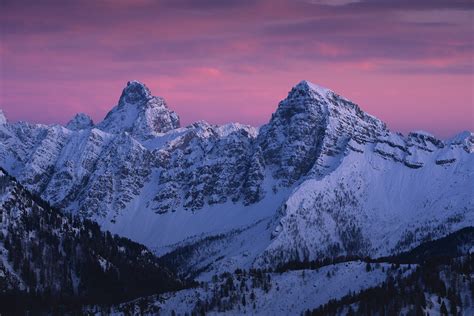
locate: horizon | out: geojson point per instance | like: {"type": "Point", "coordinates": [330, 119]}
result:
{"type": "Point", "coordinates": [96, 122]}
{"type": "Point", "coordinates": [409, 63]}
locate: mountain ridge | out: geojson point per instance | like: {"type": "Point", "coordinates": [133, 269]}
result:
{"type": "Point", "coordinates": [300, 184]}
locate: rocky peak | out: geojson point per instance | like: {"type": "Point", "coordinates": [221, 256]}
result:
{"type": "Point", "coordinates": [135, 93]}
{"type": "Point", "coordinates": [305, 97]}
{"type": "Point", "coordinates": [464, 139]}
{"type": "Point", "coordinates": [3, 119]}
{"type": "Point", "coordinates": [292, 138]}
{"type": "Point", "coordinates": [80, 121]}
{"type": "Point", "coordinates": [321, 96]}
{"type": "Point", "coordinates": [307, 100]}
{"type": "Point", "coordinates": [310, 130]}
{"type": "Point", "coordinates": [140, 113]}
{"type": "Point", "coordinates": [305, 86]}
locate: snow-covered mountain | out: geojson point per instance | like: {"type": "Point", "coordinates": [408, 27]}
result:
{"type": "Point", "coordinates": [258, 293]}
{"type": "Point", "coordinates": [321, 179]}
{"type": "Point", "coordinates": [140, 114]}
{"type": "Point", "coordinates": [49, 259]}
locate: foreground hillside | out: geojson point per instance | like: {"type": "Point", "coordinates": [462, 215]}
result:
{"type": "Point", "coordinates": [50, 261]}
{"type": "Point", "coordinates": [434, 278]}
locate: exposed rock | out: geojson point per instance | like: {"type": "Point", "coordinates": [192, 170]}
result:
{"type": "Point", "coordinates": [80, 121]}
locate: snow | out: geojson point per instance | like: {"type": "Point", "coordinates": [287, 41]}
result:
{"type": "Point", "coordinates": [3, 119]}
{"type": "Point", "coordinates": [464, 139]}
{"type": "Point", "coordinates": [396, 140]}
{"type": "Point", "coordinates": [388, 186]}
{"type": "Point", "coordinates": [162, 140]}
{"type": "Point", "coordinates": [460, 137]}
{"type": "Point", "coordinates": [103, 263]}
{"type": "Point", "coordinates": [292, 292]}
{"type": "Point", "coordinates": [387, 204]}
{"type": "Point", "coordinates": [227, 129]}
{"type": "Point", "coordinates": [80, 121]}
{"type": "Point", "coordinates": [387, 149]}
{"type": "Point", "coordinates": [317, 88]}
{"type": "Point", "coordinates": [160, 231]}
{"type": "Point", "coordinates": [423, 133]}
{"type": "Point", "coordinates": [140, 114]}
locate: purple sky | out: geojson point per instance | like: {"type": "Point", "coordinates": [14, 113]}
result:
{"type": "Point", "coordinates": [408, 62]}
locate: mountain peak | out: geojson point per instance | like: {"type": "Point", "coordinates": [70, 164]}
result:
{"type": "Point", "coordinates": [310, 129]}
{"type": "Point", "coordinates": [3, 119]}
{"type": "Point", "coordinates": [140, 113]}
{"type": "Point", "coordinates": [135, 92]}
{"type": "Point", "coordinates": [80, 121]}
{"type": "Point", "coordinates": [309, 86]}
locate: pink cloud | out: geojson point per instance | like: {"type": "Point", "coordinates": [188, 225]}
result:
{"type": "Point", "coordinates": [234, 60]}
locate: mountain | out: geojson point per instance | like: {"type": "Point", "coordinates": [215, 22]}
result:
{"type": "Point", "coordinates": [80, 121]}
{"type": "Point", "coordinates": [258, 292]}
{"type": "Point", "coordinates": [440, 285]}
{"type": "Point", "coordinates": [53, 262]}
{"type": "Point", "coordinates": [309, 132]}
{"type": "Point", "coordinates": [322, 179]}
{"type": "Point", "coordinates": [434, 274]}
{"type": "Point", "coordinates": [140, 114]}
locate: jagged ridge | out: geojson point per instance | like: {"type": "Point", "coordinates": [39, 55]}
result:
{"type": "Point", "coordinates": [309, 173]}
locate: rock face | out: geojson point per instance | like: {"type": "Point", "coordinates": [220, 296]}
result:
{"type": "Point", "coordinates": [140, 114]}
{"type": "Point", "coordinates": [205, 165]}
{"type": "Point", "coordinates": [80, 121]}
{"type": "Point", "coordinates": [326, 178]}
{"type": "Point", "coordinates": [310, 130]}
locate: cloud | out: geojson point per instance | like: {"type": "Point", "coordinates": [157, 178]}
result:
{"type": "Point", "coordinates": [333, 2]}
{"type": "Point", "coordinates": [421, 5]}
{"type": "Point", "coordinates": [238, 46]}
{"type": "Point", "coordinates": [208, 5]}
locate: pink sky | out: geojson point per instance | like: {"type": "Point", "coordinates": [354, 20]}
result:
{"type": "Point", "coordinates": [408, 62]}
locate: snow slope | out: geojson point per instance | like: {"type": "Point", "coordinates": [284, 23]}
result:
{"type": "Point", "coordinates": [289, 293]}
{"type": "Point", "coordinates": [371, 206]}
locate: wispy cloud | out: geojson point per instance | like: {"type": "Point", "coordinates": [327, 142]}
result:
{"type": "Point", "coordinates": [257, 49]}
